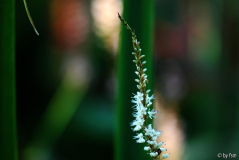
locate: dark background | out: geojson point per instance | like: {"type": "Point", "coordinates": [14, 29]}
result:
{"type": "Point", "coordinates": [66, 78]}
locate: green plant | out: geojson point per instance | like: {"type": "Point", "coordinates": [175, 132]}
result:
{"type": "Point", "coordinates": [142, 104]}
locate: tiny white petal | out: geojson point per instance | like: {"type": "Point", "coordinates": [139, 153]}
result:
{"type": "Point", "coordinates": [140, 135]}
{"type": "Point", "coordinates": [151, 113]}
{"type": "Point", "coordinates": [137, 128]}
{"type": "Point", "coordinates": [165, 156]}
{"type": "Point", "coordinates": [141, 56]}
{"type": "Point", "coordinates": [145, 81]}
{"type": "Point", "coordinates": [154, 138]}
{"type": "Point", "coordinates": [149, 104]}
{"type": "Point", "coordinates": [151, 142]}
{"type": "Point", "coordinates": [138, 86]}
{"type": "Point", "coordinates": [153, 154]}
{"type": "Point", "coordinates": [146, 148]}
{"type": "Point", "coordinates": [159, 144]}
{"type": "Point", "coordinates": [141, 140]}
{"type": "Point", "coordinates": [163, 149]}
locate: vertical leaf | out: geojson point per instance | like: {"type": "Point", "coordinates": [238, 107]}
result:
{"type": "Point", "coordinates": [139, 15]}
{"type": "Point", "coordinates": [8, 133]}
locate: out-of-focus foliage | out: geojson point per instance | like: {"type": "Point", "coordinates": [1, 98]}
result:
{"type": "Point", "coordinates": [8, 130]}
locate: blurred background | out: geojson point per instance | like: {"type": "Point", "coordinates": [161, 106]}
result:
{"type": "Point", "coordinates": [67, 78]}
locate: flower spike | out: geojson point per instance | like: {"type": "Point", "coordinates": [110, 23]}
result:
{"type": "Point", "coordinates": [142, 102]}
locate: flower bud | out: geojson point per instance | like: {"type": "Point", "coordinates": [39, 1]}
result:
{"type": "Point", "coordinates": [146, 148]}
{"type": "Point", "coordinates": [165, 156]}
{"type": "Point", "coordinates": [163, 149]}
{"type": "Point", "coordinates": [137, 80]}
{"type": "Point", "coordinates": [153, 154]}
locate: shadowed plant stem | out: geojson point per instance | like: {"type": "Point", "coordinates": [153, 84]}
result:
{"type": "Point", "coordinates": [8, 131]}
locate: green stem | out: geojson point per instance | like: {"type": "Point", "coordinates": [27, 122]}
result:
{"type": "Point", "coordinates": [29, 16]}
{"type": "Point", "coordinates": [8, 131]}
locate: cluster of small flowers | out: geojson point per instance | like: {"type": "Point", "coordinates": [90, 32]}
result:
{"type": "Point", "coordinates": [150, 133]}
{"type": "Point", "coordinates": [142, 103]}
{"type": "Point", "coordinates": [140, 110]}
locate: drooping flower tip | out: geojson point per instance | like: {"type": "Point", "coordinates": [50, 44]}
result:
{"type": "Point", "coordinates": [164, 156]}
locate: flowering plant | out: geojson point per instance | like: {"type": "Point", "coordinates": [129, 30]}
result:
{"type": "Point", "coordinates": [142, 102]}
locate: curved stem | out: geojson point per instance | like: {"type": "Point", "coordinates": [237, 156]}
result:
{"type": "Point", "coordinates": [29, 16]}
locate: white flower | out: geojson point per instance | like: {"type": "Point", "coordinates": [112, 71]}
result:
{"type": "Point", "coordinates": [154, 138]}
{"type": "Point", "coordinates": [141, 140]}
{"type": "Point", "coordinates": [146, 148]}
{"type": "Point", "coordinates": [159, 144]}
{"type": "Point", "coordinates": [142, 109]}
{"type": "Point", "coordinates": [151, 113]}
{"type": "Point", "coordinates": [150, 127]}
{"type": "Point", "coordinates": [151, 142]}
{"type": "Point", "coordinates": [165, 156]}
{"type": "Point", "coordinates": [163, 149]}
{"type": "Point", "coordinates": [140, 135]}
{"type": "Point", "coordinates": [157, 133]}
{"type": "Point", "coordinates": [149, 131]}
{"type": "Point", "coordinates": [153, 154]}
{"type": "Point", "coordinates": [137, 122]}
{"type": "Point", "coordinates": [148, 99]}
{"type": "Point", "coordinates": [137, 128]}
{"type": "Point", "coordinates": [138, 115]}
{"type": "Point", "coordinates": [139, 96]}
